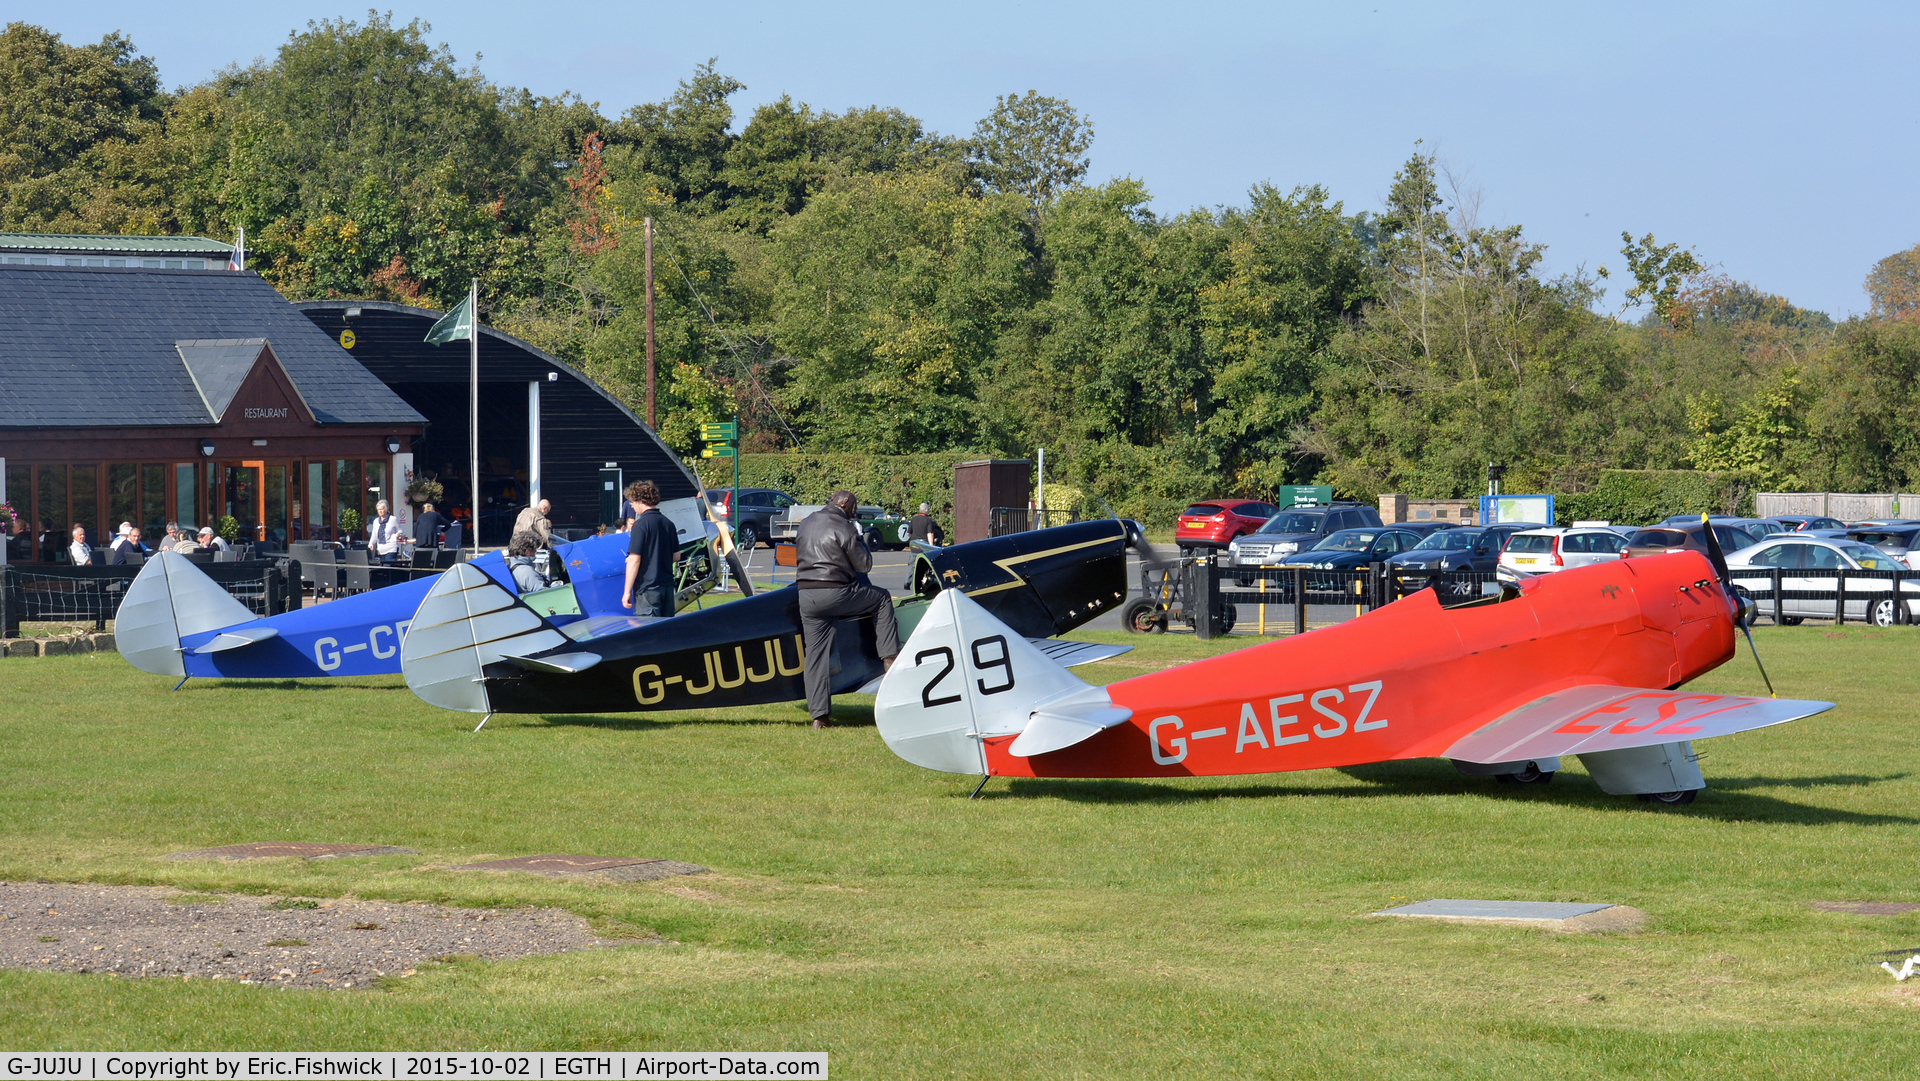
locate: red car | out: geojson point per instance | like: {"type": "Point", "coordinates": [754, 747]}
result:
{"type": "Point", "coordinates": [1215, 523]}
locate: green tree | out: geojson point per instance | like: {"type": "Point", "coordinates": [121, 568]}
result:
{"type": "Point", "coordinates": [1032, 145]}
{"type": "Point", "coordinates": [80, 132]}
{"type": "Point", "coordinates": [1295, 273]}
{"type": "Point", "coordinates": [1894, 285]}
{"type": "Point", "coordinates": [1465, 357]}
{"type": "Point", "coordinates": [890, 293]}
{"type": "Point", "coordinates": [1659, 271]}
{"type": "Point", "coordinates": [1760, 440]}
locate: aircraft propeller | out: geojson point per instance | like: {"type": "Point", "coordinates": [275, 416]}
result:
{"type": "Point", "coordinates": [1743, 609]}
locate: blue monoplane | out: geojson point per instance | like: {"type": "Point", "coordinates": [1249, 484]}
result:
{"type": "Point", "coordinates": [175, 621]}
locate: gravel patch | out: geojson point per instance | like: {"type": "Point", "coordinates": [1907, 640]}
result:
{"type": "Point", "coordinates": [339, 944]}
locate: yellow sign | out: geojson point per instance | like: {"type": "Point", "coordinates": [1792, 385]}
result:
{"type": "Point", "coordinates": [347, 339]}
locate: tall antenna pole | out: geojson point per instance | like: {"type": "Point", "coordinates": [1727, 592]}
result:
{"type": "Point", "coordinates": [653, 420]}
{"type": "Point", "coordinates": [473, 396]}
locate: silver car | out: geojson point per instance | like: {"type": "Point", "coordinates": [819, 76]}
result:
{"type": "Point", "coordinates": [1810, 564]}
{"type": "Point", "coordinates": [1555, 548]}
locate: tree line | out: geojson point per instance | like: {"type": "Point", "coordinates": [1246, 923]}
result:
{"type": "Point", "coordinates": [855, 282]}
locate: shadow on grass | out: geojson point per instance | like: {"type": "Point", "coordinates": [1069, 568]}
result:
{"type": "Point", "coordinates": [844, 716]}
{"type": "Point", "coordinates": [276, 685]}
{"type": "Point", "coordinates": [1856, 780]}
{"type": "Point", "coordinates": [1422, 778]}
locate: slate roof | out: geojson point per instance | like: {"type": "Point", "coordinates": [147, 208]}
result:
{"type": "Point", "coordinates": [87, 347]}
{"type": "Point", "coordinates": [169, 245]}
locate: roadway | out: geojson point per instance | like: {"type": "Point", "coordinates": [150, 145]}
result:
{"type": "Point", "coordinates": [890, 569]}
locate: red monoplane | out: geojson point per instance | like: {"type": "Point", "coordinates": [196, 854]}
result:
{"type": "Point", "coordinates": [1589, 661]}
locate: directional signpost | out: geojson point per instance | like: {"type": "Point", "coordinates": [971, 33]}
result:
{"type": "Point", "coordinates": [723, 441]}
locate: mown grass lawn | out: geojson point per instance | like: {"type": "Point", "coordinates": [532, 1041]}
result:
{"type": "Point", "coordinates": [862, 906]}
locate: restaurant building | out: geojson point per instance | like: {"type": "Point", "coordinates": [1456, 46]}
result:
{"type": "Point", "coordinates": [153, 395]}
{"type": "Point", "coordinates": [190, 392]}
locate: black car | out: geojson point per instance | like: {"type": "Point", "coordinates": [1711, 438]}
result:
{"type": "Point", "coordinates": [1295, 530]}
{"type": "Point", "coordinates": [1347, 550]}
{"type": "Point", "coordinates": [758, 508]}
{"type": "Point", "coordinates": [1459, 551]}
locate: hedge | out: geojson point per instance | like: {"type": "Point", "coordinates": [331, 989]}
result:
{"type": "Point", "coordinates": [898, 482]}
{"type": "Point", "coordinates": [1644, 496]}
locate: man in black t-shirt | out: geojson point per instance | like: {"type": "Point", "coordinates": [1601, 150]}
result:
{"type": "Point", "coordinates": [650, 554]}
{"type": "Point", "coordinates": [923, 527]}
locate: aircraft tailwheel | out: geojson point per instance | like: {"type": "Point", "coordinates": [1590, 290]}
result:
{"type": "Point", "coordinates": [1533, 774]}
{"type": "Point", "coordinates": [1142, 616]}
{"type": "Point", "coordinates": [1671, 799]}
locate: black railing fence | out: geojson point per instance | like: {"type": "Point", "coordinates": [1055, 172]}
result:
{"type": "Point", "coordinates": [1216, 599]}
{"type": "Point", "coordinates": [1021, 519]}
{"type": "Point", "coordinates": [1225, 590]}
{"type": "Point", "coordinates": [1791, 595]}
{"type": "Point", "coordinates": [37, 593]}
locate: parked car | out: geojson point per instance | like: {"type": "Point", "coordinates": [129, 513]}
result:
{"type": "Point", "coordinates": [1343, 551]}
{"type": "Point", "coordinates": [1553, 548]}
{"type": "Point", "coordinates": [1811, 565]}
{"type": "Point", "coordinates": [758, 508]}
{"type": "Point", "coordinates": [1823, 534]}
{"type": "Point", "coordinates": [1350, 548]}
{"type": "Point", "coordinates": [1800, 523]}
{"type": "Point", "coordinates": [1214, 524]}
{"type": "Point", "coordinates": [1898, 541]}
{"type": "Point", "coordinates": [1459, 551]}
{"type": "Point", "coordinates": [1660, 539]}
{"type": "Point", "coordinates": [1290, 531]}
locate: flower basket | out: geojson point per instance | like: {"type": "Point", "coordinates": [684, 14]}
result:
{"type": "Point", "coordinates": [425, 491]}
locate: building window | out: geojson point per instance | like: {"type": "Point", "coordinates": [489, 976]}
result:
{"type": "Point", "coordinates": [186, 486]}
{"type": "Point", "coordinates": [154, 264]}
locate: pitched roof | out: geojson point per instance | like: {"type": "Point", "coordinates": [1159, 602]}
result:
{"type": "Point", "coordinates": [171, 245]}
{"type": "Point", "coordinates": [89, 347]}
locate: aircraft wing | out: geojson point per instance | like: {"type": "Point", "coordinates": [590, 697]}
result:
{"type": "Point", "coordinates": [1592, 718]}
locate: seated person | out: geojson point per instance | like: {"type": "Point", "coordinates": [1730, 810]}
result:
{"type": "Point", "coordinates": [520, 550]}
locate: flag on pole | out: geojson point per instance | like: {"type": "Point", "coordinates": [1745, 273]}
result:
{"type": "Point", "coordinates": [455, 326]}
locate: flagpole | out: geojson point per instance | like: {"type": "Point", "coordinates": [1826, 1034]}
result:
{"type": "Point", "coordinates": [473, 396]}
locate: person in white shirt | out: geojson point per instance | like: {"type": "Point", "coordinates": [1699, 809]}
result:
{"type": "Point", "coordinates": [383, 533]}
{"type": "Point", "coordinates": [213, 542]}
{"type": "Point", "coordinates": [80, 552]}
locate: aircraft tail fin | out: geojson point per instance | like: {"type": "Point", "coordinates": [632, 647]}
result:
{"type": "Point", "coordinates": [964, 677]}
{"type": "Point", "coordinates": [171, 599]}
{"type": "Point", "coordinates": [467, 622]}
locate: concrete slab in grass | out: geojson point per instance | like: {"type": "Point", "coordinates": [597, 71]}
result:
{"type": "Point", "coordinates": [1546, 915]}
{"type": "Point", "coordinates": [612, 867]}
{"type": "Point", "coordinates": [306, 850]}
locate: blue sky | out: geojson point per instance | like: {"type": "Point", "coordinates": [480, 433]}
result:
{"type": "Point", "coordinates": [1776, 140]}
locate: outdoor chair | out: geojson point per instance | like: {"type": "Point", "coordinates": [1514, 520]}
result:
{"type": "Point", "coordinates": [355, 574]}
{"type": "Point", "coordinates": [317, 569]}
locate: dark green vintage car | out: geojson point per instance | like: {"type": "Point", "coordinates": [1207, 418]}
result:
{"type": "Point", "coordinates": [882, 529]}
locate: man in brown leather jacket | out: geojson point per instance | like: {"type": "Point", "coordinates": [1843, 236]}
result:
{"type": "Point", "coordinates": [831, 572]}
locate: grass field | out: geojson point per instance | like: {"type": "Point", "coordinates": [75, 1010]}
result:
{"type": "Point", "coordinates": [862, 906]}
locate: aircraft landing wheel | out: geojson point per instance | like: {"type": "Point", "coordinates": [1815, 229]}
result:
{"type": "Point", "coordinates": [1533, 774]}
{"type": "Point", "coordinates": [1142, 616]}
{"type": "Point", "coordinates": [1671, 799]}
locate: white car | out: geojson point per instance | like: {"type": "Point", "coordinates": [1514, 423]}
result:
{"type": "Point", "coordinates": [1811, 565]}
{"type": "Point", "coordinates": [1555, 548]}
